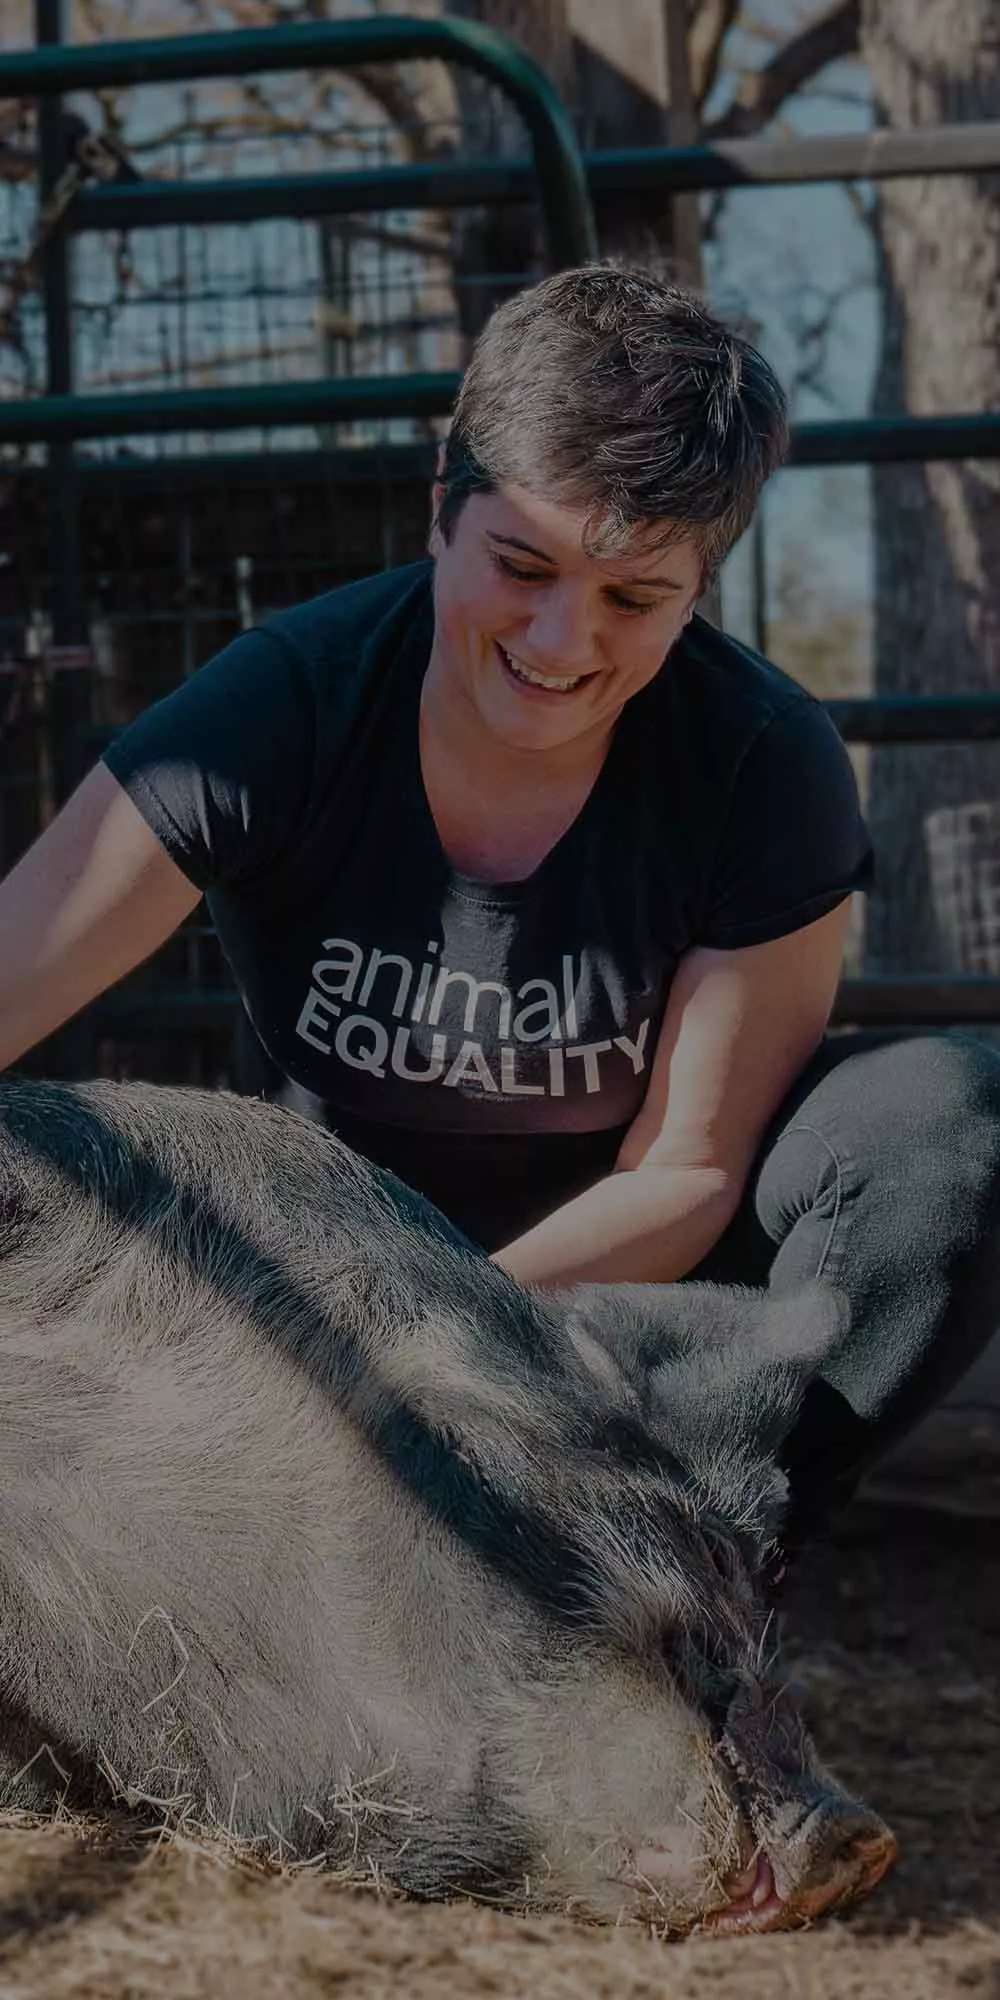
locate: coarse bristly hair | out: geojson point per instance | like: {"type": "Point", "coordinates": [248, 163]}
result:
{"type": "Point", "coordinates": [611, 390]}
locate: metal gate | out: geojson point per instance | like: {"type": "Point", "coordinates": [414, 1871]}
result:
{"type": "Point", "coordinates": [190, 996]}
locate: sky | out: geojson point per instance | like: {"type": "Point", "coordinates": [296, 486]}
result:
{"type": "Point", "coordinates": [787, 252]}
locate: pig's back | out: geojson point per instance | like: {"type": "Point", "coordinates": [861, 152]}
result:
{"type": "Point", "coordinates": [193, 1524]}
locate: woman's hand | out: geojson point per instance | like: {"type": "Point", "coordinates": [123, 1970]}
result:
{"type": "Point", "coordinates": [739, 1028]}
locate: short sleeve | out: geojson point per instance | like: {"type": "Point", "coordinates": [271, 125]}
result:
{"type": "Point", "coordinates": [795, 842]}
{"type": "Point", "coordinates": [220, 769]}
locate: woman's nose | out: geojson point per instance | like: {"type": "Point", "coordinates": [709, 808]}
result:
{"type": "Point", "coordinates": [562, 632]}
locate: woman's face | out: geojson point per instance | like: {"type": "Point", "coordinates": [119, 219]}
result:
{"type": "Point", "coordinates": [538, 642]}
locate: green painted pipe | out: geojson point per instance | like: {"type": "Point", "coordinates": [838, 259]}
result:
{"type": "Point", "coordinates": [571, 235]}
{"type": "Point", "coordinates": [53, 419]}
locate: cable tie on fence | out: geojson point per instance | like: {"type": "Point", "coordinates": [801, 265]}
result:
{"type": "Point", "coordinates": [66, 659]}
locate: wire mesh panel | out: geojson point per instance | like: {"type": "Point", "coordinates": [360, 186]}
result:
{"type": "Point", "coordinates": [187, 539]}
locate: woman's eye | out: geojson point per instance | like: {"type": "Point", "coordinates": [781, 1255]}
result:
{"type": "Point", "coordinates": [504, 564]}
{"type": "Point", "coordinates": [631, 604]}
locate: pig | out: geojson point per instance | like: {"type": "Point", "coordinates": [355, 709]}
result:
{"type": "Point", "coordinates": [318, 1531]}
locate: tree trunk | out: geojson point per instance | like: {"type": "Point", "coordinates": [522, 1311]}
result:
{"type": "Point", "coordinates": [497, 250]}
{"type": "Point", "coordinates": [934, 810]}
{"type": "Point", "coordinates": [609, 67]}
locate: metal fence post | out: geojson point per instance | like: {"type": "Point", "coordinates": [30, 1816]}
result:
{"type": "Point", "coordinates": [68, 693]}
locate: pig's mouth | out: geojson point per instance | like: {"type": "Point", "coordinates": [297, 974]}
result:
{"type": "Point", "coordinates": [782, 1892]}
{"type": "Point", "coordinates": [754, 1901]}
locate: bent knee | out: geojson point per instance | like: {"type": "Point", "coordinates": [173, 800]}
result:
{"type": "Point", "coordinates": [921, 1110]}
{"type": "Point", "coordinates": [937, 1082]}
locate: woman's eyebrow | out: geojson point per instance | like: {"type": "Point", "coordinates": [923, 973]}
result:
{"type": "Point", "coordinates": [619, 582]}
{"type": "Point", "coordinates": [515, 542]}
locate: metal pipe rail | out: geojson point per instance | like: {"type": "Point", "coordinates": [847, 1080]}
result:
{"type": "Point", "coordinates": [333, 399]}
{"type": "Point", "coordinates": [145, 413]}
{"type": "Point", "coordinates": [911, 1000]}
{"type": "Point", "coordinates": [918, 1000]}
{"type": "Point", "coordinates": [344, 465]}
{"type": "Point", "coordinates": [917, 718]}
{"type": "Point", "coordinates": [722, 163]}
{"type": "Point", "coordinates": [156, 204]}
{"type": "Point", "coordinates": [900, 718]}
{"type": "Point", "coordinates": [558, 177]}
{"type": "Point", "coordinates": [879, 440]}
{"type": "Point", "coordinates": [896, 440]}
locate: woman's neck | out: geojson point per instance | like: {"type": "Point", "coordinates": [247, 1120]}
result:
{"type": "Point", "coordinates": [499, 810]}
{"type": "Point", "coordinates": [452, 732]}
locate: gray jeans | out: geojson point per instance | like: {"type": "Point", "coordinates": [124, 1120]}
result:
{"type": "Point", "coordinates": [881, 1173]}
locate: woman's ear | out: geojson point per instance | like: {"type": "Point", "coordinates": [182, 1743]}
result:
{"type": "Point", "coordinates": [435, 539]}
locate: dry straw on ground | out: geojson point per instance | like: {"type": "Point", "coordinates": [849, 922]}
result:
{"type": "Point", "coordinates": [895, 1640]}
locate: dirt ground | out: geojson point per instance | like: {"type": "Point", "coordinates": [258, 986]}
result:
{"type": "Point", "coordinates": [894, 1637]}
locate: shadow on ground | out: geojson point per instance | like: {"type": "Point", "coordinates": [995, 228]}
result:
{"type": "Point", "coordinates": [73, 1882]}
{"type": "Point", "coordinates": [894, 1633]}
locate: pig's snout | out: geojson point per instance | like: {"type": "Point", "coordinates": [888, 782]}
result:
{"type": "Point", "coordinates": [837, 1853]}
{"type": "Point", "coordinates": [808, 1846]}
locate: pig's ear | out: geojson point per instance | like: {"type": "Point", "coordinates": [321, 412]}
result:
{"type": "Point", "coordinates": [749, 1388]}
{"type": "Point", "coordinates": [708, 1362]}
{"type": "Point", "coordinates": [799, 1331]}
{"type": "Point", "coordinates": [648, 1326]}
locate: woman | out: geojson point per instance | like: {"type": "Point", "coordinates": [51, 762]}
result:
{"type": "Point", "coordinates": [536, 887]}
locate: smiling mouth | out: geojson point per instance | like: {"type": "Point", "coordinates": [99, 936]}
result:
{"type": "Point", "coordinates": [529, 677]}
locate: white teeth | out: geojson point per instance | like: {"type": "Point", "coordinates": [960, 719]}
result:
{"type": "Point", "coordinates": [523, 673]}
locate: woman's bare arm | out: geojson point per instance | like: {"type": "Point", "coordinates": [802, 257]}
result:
{"type": "Point", "coordinates": [739, 1028]}
{"type": "Point", "coordinates": [94, 896]}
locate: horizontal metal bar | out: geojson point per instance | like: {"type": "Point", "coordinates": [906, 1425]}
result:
{"type": "Point", "coordinates": [896, 440]}
{"type": "Point", "coordinates": [189, 1011]}
{"type": "Point", "coordinates": [359, 465]}
{"type": "Point", "coordinates": [876, 155]}
{"type": "Point", "coordinates": [560, 180]}
{"type": "Point", "coordinates": [908, 1000]}
{"type": "Point", "coordinates": [48, 419]}
{"type": "Point", "coordinates": [157, 204]}
{"type": "Point", "coordinates": [71, 66]}
{"type": "Point", "coordinates": [917, 718]}
{"type": "Point", "coordinates": [909, 438]}
{"type": "Point", "coordinates": [914, 999]}
{"type": "Point", "coordinates": [327, 400]}
{"type": "Point", "coordinates": [914, 718]}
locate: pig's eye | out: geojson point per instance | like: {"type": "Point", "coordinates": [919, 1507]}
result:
{"type": "Point", "coordinates": [625, 1439]}
{"type": "Point", "coordinates": [735, 1555]}
{"type": "Point", "coordinates": [725, 1556]}
{"type": "Point", "coordinates": [703, 1674]}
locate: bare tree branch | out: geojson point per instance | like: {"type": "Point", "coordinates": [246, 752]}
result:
{"type": "Point", "coordinates": [760, 93]}
{"type": "Point", "coordinates": [384, 84]}
{"type": "Point", "coordinates": [710, 24]}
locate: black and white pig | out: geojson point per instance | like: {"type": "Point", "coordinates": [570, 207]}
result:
{"type": "Point", "coordinates": [316, 1528]}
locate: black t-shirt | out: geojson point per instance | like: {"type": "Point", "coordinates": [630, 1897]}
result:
{"type": "Point", "coordinates": [490, 1043]}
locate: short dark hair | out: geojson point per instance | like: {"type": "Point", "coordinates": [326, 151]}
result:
{"type": "Point", "coordinates": [609, 389]}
